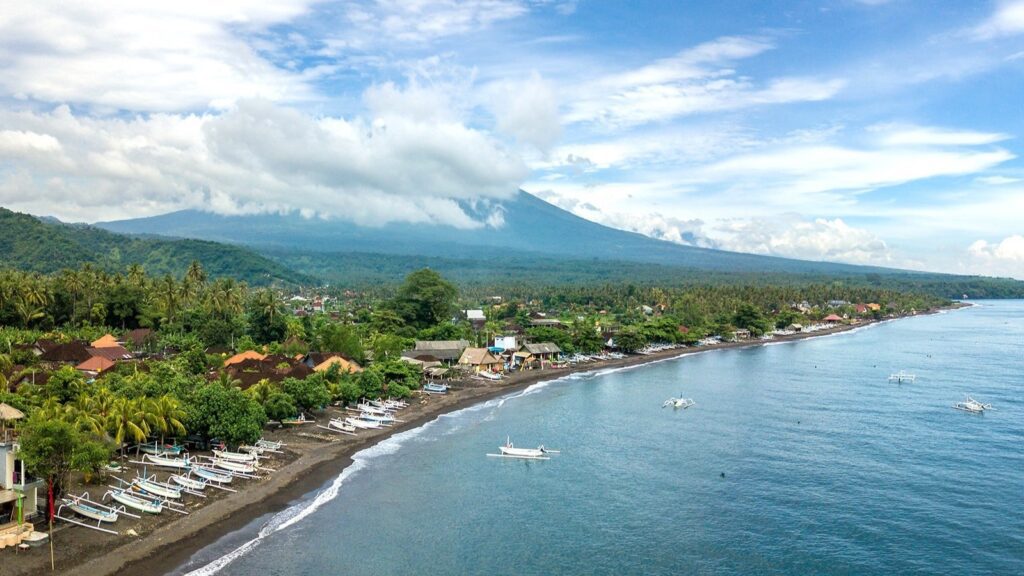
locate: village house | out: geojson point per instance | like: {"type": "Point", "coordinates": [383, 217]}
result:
{"type": "Point", "coordinates": [446, 351]}
{"type": "Point", "coordinates": [15, 485]}
{"type": "Point", "coordinates": [241, 356]}
{"type": "Point", "coordinates": [741, 334]}
{"type": "Point", "coordinates": [95, 366]}
{"type": "Point", "coordinates": [536, 354]}
{"type": "Point", "coordinates": [481, 360]}
{"type": "Point", "coordinates": [505, 343]}
{"type": "Point", "coordinates": [832, 319]}
{"type": "Point", "coordinates": [344, 365]}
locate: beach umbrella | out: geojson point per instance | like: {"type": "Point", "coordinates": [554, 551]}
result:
{"type": "Point", "coordinates": [8, 412]}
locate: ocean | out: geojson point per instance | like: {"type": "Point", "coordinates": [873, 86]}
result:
{"type": "Point", "coordinates": [798, 458]}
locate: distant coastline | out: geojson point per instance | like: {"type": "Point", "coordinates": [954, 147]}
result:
{"type": "Point", "coordinates": [171, 544]}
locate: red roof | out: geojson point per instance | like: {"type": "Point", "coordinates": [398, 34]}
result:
{"type": "Point", "coordinates": [96, 364]}
{"type": "Point", "coordinates": [833, 318]}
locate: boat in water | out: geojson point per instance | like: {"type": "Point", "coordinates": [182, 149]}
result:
{"type": "Point", "coordinates": [973, 406]}
{"type": "Point", "coordinates": [678, 403]}
{"type": "Point", "coordinates": [508, 450]}
{"type": "Point", "coordinates": [901, 377]}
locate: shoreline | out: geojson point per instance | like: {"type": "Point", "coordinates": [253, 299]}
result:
{"type": "Point", "coordinates": [172, 544]}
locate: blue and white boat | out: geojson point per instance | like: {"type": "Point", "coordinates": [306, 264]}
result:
{"type": "Point", "coordinates": [431, 388]}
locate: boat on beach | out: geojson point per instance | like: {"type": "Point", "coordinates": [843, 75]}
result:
{"type": "Point", "coordinates": [508, 450]}
{"type": "Point", "coordinates": [363, 424]}
{"type": "Point", "coordinates": [164, 461]}
{"type": "Point", "coordinates": [158, 449]}
{"type": "Point", "coordinates": [136, 502]}
{"type": "Point", "coordinates": [235, 456]}
{"type": "Point", "coordinates": [233, 466]}
{"type": "Point", "coordinates": [151, 486]}
{"type": "Point", "coordinates": [87, 509]}
{"type": "Point", "coordinates": [212, 475]}
{"type": "Point", "coordinates": [432, 388]}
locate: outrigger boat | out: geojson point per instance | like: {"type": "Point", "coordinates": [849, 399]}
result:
{"type": "Point", "coordinates": [269, 445]}
{"type": "Point", "coordinates": [233, 466]}
{"type": "Point", "coordinates": [86, 508]}
{"type": "Point", "coordinates": [510, 451]}
{"type": "Point", "coordinates": [360, 423]}
{"type": "Point", "coordinates": [382, 419]}
{"type": "Point", "coordinates": [178, 463]}
{"type": "Point", "coordinates": [235, 456]}
{"type": "Point", "coordinates": [212, 475]}
{"type": "Point", "coordinates": [901, 377]}
{"type": "Point", "coordinates": [189, 483]}
{"type": "Point", "coordinates": [151, 486]}
{"type": "Point", "coordinates": [161, 449]}
{"type": "Point", "coordinates": [131, 500]}
{"type": "Point", "coordinates": [678, 403]}
{"type": "Point", "coordinates": [431, 388]}
{"type": "Point", "coordinates": [300, 419]}
{"type": "Point", "coordinates": [340, 426]}
{"type": "Point", "coordinates": [971, 405]}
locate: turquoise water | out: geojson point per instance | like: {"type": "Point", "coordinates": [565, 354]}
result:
{"type": "Point", "coordinates": [828, 469]}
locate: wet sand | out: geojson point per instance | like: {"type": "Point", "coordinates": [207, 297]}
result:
{"type": "Point", "coordinates": [312, 457]}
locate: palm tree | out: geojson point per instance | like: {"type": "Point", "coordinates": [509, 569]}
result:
{"type": "Point", "coordinates": [136, 275]}
{"type": "Point", "coordinates": [74, 284]}
{"type": "Point", "coordinates": [167, 291]}
{"type": "Point", "coordinates": [27, 310]}
{"type": "Point", "coordinates": [261, 391]}
{"type": "Point", "coordinates": [167, 414]}
{"type": "Point", "coordinates": [195, 274]}
{"type": "Point", "coordinates": [128, 420]}
{"type": "Point", "coordinates": [225, 379]}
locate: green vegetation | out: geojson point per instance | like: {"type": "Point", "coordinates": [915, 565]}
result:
{"type": "Point", "coordinates": [181, 389]}
{"type": "Point", "coordinates": [27, 243]}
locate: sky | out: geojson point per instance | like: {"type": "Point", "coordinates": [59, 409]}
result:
{"type": "Point", "coordinates": [884, 132]}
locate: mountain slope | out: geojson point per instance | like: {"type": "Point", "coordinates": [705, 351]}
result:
{"type": "Point", "coordinates": [37, 245]}
{"type": "Point", "coordinates": [531, 226]}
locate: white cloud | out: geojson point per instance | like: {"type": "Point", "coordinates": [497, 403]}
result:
{"type": "Point", "coordinates": [526, 109]}
{"type": "Point", "coordinates": [1010, 248]}
{"type": "Point", "coordinates": [256, 157]}
{"type": "Point", "coordinates": [1003, 258]}
{"type": "Point", "coordinates": [1007, 20]}
{"type": "Point", "coordinates": [797, 171]}
{"type": "Point", "coordinates": [144, 56]}
{"type": "Point", "coordinates": [697, 80]}
{"type": "Point", "coordinates": [996, 180]}
{"type": "Point", "coordinates": [419, 21]}
{"type": "Point", "coordinates": [791, 236]}
{"type": "Point", "coordinates": [905, 135]}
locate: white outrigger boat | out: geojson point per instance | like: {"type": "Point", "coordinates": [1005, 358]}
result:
{"type": "Point", "coordinates": [233, 466]}
{"type": "Point", "coordinates": [901, 377]}
{"type": "Point", "coordinates": [973, 406]}
{"type": "Point", "coordinates": [210, 475]}
{"type": "Point", "coordinates": [431, 388]}
{"type": "Point", "coordinates": [363, 424]}
{"type": "Point", "coordinates": [382, 419]}
{"type": "Point", "coordinates": [235, 456]}
{"type": "Point", "coordinates": [86, 508]}
{"type": "Point", "coordinates": [510, 451]}
{"type": "Point", "coordinates": [164, 461]}
{"type": "Point", "coordinates": [151, 486]}
{"type": "Point", "coordinates": [131, 500]}
{"type": "Point", "coordinates": [269, 445]}
{"type": "Point", "coordinates": [678, 403]}
{"type": "Point", "coordinates": [188, 483]}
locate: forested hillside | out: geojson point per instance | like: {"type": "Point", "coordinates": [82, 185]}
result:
{"type": "Point", "coordinates": [33, 245]}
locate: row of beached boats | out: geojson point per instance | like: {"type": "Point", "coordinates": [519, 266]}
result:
{"type": "Point", "coordinates": [366, 415]}
{"type": "Point", "coordinates": [146, 494]}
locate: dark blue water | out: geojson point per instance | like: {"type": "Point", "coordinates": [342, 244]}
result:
{"type": "Point", "coordinates": [829, 469]}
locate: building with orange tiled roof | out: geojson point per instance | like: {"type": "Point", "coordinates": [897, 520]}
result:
{"type": "Point", "coordinates": [344, 365]}
{"type": "Point", "coordinates": [247, 355]}
{"type": "Point", "coordinates": [96, 365]}
{"type": "Point", "coordinates": [107, 341]}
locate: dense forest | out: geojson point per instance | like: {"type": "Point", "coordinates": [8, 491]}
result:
{"type": "Point", "coordinates": [524, 272]}
{"type": "Point", "coordinates": [30, 244]}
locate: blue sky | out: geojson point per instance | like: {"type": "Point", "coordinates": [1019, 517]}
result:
{"type": "Point", "coordinates": [864, 131]}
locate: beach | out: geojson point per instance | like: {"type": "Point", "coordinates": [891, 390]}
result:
{"type": "Point", "coordinates": [313, 457]}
